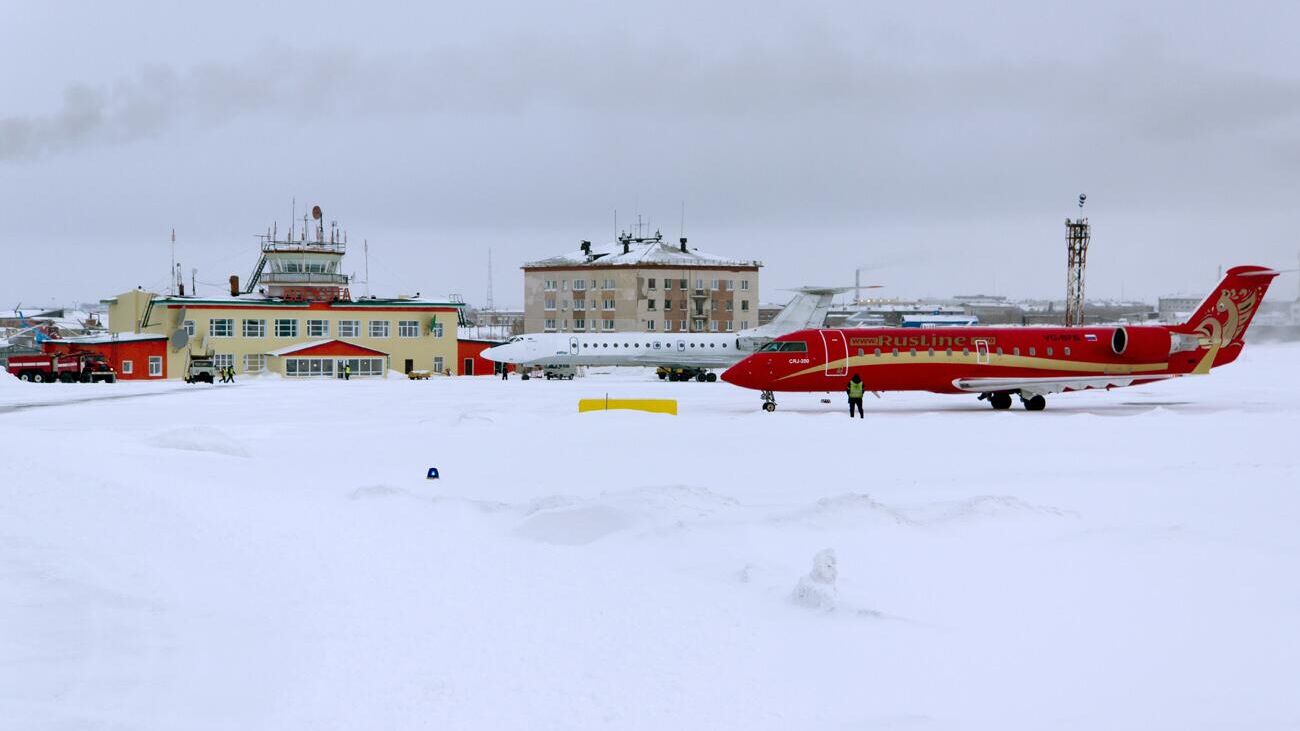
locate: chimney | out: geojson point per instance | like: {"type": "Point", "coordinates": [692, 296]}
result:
{"type": "Point", "coordinates": [683, 243]}
{"type": "Point", "coordinates": [234, 285]}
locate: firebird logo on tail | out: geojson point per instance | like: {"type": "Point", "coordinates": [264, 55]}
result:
{"type": "Point", "coordinates": [1238, 310]}
{"type": "Point", "coordinates": [1236, 307]}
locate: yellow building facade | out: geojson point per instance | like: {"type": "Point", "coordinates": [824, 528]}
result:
{"type": "Point", "coordinates": [257, 334]}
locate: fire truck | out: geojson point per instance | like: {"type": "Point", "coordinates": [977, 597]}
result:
{"type": "Point", "coordinates": [74, 367]}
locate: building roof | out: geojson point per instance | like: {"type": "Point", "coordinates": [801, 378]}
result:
{"type": "Point", "coordinates": [630, 251]}
{"type": "Point", "coordinates": [261, 300]}
{"type": "Point", "coordinates": [326, 347]}
{"type": "Point", "coordinates": [102, 338]}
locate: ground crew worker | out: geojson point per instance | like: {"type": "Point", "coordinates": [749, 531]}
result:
{"type": "Point", "coordinates": [505, 373]}
{"type": "Point", "coordinates": [230, 374]}
{"type": "Point", "coordinates": [347, 371]}
{"type": "Point", "coordinates": [855, 391]}
{"type": "Point", "coordinates": [222, 372]}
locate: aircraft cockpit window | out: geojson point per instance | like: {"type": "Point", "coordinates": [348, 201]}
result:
{"type": "Point", "coordinates": [794, 347]}
{"type": "Point", "coordinates": [770, 348]}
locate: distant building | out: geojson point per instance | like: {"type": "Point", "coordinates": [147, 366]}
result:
{"type": "Point", "coordinates": [1176, 308]}
{"type": "Point", "coordinates": [640, 284]}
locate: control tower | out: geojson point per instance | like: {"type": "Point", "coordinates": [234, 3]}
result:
{"type": "Point", "coordinates": [303, 268]}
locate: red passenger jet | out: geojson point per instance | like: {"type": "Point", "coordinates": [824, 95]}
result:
{"type": "Point", "coordinates": [1000, 362]}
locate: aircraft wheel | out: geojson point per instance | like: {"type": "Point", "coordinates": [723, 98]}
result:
{"type": "Point", "coordinates": [1000, 401]}
{"type": "Point", "coordinates": [1035, 403]}
{"type": "Point", "coordinates": [711, 377]}
{"type": "Point", "coordinates": [769, 407]}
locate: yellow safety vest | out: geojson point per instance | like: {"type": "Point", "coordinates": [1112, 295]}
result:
{"type": "Point", "coordinates": [856, 388]}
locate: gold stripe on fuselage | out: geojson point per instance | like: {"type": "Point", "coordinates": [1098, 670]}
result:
{"type": "Point", "coordinates": [1005, 361]}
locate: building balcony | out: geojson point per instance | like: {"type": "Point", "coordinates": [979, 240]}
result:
{"type": "Point", "coordinates": [271, 279]}
{"type": "Point", "coordinates": [308, 247]}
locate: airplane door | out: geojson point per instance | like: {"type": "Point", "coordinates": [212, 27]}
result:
{"type": "Point", "coordinates": [837, 352]}
{"type": "Point", "coordinates": [982, 352]}
{"type": "Point", "coordinates": [573, 346]}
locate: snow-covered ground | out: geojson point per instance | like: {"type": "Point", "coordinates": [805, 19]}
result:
{"type": "Point", "coordinates": [269, 555]}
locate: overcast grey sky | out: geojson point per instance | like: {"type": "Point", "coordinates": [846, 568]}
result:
{"type": "Point", "coordinates": [942, 143]}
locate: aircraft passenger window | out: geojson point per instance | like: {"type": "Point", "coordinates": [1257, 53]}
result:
{"type": "Point", "coordinates": [1049, 351]}
{"type": "Point", "coordinates": [710, 345]}
{"type": "Point", "coordinates": [1067, 350]}
{"type": "Point", "coordinates": [913, 352]}
{"type": "Point", "coordinates": [584, 345]}
{"type": "Point", "coordinates": [604, 345]}
{"type": "Point", "coordinates": [949, 351]}
{"type": "Point", "coordinates": [877, 352]}
{"type": "Point", "coordinates": [999, 351]}
{"type": "Point", "coordinates": [860, 352]}
{"type": "Point", "coordinates": [1033, 351]}
{"type": "Point", "coordinates": [1015, 351]}
{"type": "Point", "coordinates": [965, 351]}
{"type": "Point", "coordinates": [930, 352]}
{"type": "Point", "coordinates": [656, 345]}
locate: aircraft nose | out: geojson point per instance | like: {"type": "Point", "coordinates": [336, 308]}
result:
{"type": "Point", "coordinates": [495, 353]}
{"type": "Point", "coordinates": [737, 375]}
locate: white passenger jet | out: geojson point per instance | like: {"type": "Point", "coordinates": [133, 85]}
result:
{"type": "Point", "coordinates": [681, 356]}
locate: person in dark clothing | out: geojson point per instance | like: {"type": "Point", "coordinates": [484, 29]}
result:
{"type": "Point", "coordinates": [855, 391]}
{"type": "Point", "coordinates": [230, 374]}
{"type": "Point", "coordinates": [505, 373]}
{"type": "Point", "coordinates": [347, 371]}
{"type": "Point", "coordinates": [222, 372]}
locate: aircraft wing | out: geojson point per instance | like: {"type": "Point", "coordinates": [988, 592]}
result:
{"type": "Point", "coordinates": [1044, 386]}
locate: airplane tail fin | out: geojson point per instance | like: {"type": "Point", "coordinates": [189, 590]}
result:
{"type": "Point", "coordinates": [1220, 322]}
{"type": "Point", "coordinates": [806, 310]}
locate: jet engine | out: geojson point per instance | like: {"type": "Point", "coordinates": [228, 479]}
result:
{"type": "Point", "coordinates": [1141, 344]}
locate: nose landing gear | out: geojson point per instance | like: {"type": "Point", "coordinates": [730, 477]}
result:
{"type": "Point", "coordinates": [769, 401]}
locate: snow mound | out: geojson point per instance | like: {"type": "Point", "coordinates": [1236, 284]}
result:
{"type": "Point", "coordinates": [816, 590]}
{"type": "Point", "coordinates": [199, 439]}
{"type": "Point", "coordinates": [574, 526]}
{"type": "Point", "coordinates": [983, 506]}
{"type": "Point", "coordinates": [376, 491]}
{"type": "Point", "coordinates": [7, 379]}
{"type": "Point", "coordinates": [857, 507]}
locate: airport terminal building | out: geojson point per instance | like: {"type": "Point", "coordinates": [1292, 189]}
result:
{"type": "Point", "coordinates": [640, 284]}
{"type": "Point", "coordinates": [296, 317]}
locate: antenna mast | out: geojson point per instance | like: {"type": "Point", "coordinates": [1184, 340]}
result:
{"type": "Point", "coordinates": [365, 245]}
{"type": "Point", "coordinates": [1077, 236]}
{"type": "Point", "coordinates": [171, 275]}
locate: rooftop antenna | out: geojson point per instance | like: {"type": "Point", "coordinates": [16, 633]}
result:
{"type": "Point", "coordinates": [365, 245]}
{"type": "Point", "coordinates": [490, 306]}
{"type": "Point", "coordinates": [681, 232]}
{"type": "Point", "coordinates": [172, 276]}
{"type": "Point", "coordinates": [194, 281]}
{"type": "Point", "coordinates": [293, 214]}
{"type": "Point", "coordinates": [616, 224]}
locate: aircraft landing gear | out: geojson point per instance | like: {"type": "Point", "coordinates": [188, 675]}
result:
{"type": "Point", "coordinates": [769, 402]}
{"type": "Point", "coordinates": [1000, 401]}
{"type": "Point", "coordinates": [1035, 402]}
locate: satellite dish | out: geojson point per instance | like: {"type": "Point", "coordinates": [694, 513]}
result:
{"type": "Point", "coordinates": [179, 339]}
{"type": "Point", "coordinates": [315, 212]}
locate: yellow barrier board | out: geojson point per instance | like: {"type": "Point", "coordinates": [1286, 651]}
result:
{"type": "Point", "coordinates": [654, 405]}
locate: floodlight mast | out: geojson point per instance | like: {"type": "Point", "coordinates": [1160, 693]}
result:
{"type": "Point", "coordinates": [1078, 234]}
